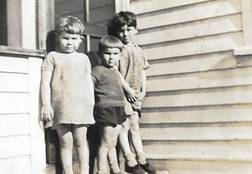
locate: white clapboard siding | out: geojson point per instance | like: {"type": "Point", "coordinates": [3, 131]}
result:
{"type": "Point", "coordinates": [14, 146]}
{"type": "Point", "coordinates": [207, 27]}
{"type": "Point", "coordinates": [211, 150]}
{"type": "Point", "coordinates": [16, 165]}
{"type": "Point", "coordinates": [220, 114]}
{"type": "Point", "coordinates": [196, 132]}
{"type": "Point", "coordinates": [192, 13]}
{"type": "Point", "coordinates": [195, 63]}
{"type": "Point", "coordinates": [210, 79]}
{"type": "Point", "coordinates": [14, 103]}
{"type": "Point", "coordinates": [218, 96]}
{"type": "Point", "coordinates": [202, 45]}
{"type": "Point", "coordinates": [149, 6]}
{"type": "Point", "coordinates": [203, 166]}
{"type": "Point", "coordinates": [14, 124]}
{"type": "Point", "coordinates": [13, 64]}
{"type": "Point", "coordinates": [13, 82]}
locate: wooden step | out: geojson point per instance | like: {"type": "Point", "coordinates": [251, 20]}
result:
{"type": "Point", "coordinates": [202, 166]}
{"type": "Point", "coordinates": [199, 150]}
{"type": "Point", "coordinates": [199, 97]}
{"type": "Point", "coordinates": [208, 79]}
{"type": "Point", "coordinates": [189, 132]}
{"type": "Point", "coordinates": [213, 114]}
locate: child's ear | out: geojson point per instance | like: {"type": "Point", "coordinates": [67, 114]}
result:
{"type": "Point", "coordinates": [82, 37]}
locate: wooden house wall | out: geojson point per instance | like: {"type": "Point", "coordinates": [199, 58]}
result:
{"type": "Point", "coordinates": [198, 109]}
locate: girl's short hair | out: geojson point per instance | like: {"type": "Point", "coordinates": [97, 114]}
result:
{"type": "Point", "coordinates": [109, 42]}
{"type": "Point", "coordinates": [69, 24]}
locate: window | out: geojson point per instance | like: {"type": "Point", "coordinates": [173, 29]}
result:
{"type": "Point", "coordinates": [3, 22]}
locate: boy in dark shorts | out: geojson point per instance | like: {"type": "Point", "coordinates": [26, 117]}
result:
{"type": "Point", "coordinates": [109, 111]}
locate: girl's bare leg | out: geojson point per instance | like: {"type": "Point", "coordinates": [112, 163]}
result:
{"type": "Point", "coordinates": [81, 144]}
{"type": "Point", "coordinates": [66, 146]}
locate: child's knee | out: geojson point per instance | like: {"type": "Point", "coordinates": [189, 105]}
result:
{"type": "Point", "coordinates": [134, 122]}
{"type": "Point", "coordinates": [66, 142]}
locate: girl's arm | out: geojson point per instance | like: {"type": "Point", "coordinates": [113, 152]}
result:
{"type": "Point", "coordinates": [47, 111]}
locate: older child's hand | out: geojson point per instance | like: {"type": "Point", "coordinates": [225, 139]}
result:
{"type": "Point", "coordinates": [47, 113]}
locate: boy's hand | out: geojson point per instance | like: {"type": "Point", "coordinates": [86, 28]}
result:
{"type": "Point", "coordinates": [47, 113]}
{"type": "Point", "coordinates": [132, 96]}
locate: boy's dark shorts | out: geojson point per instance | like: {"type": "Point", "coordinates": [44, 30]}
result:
{"type": "Point", "coordinates": [109, 116]}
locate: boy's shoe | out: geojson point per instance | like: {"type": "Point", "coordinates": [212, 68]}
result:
{"type": "Point", "coordinates": [135, 169]}
{"type": "Point", "coordinates": [148, 168]}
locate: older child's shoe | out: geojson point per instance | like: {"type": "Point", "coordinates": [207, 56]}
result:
{"type": "Point", "coordinates": [135, 169]}
{"type": "Point", "coordinates": [148, 168]}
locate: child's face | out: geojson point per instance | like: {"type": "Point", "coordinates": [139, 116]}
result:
{"type": "Point", "coordinates": [127, 34]}
{"type": "Point", "coordinates": [68, 43]}
{"type": "Point", "coordinates": [111, 56]}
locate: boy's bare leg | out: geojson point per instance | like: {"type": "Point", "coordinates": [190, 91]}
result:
{"type": "Point", "coordinates": [79, 135]}
{"type": "Point", "coordinates": [124, 142]}
{"type": "Point", "coordinates": [138, 145]}
{"type": "Point", "coordinates": [66, 146]}
{"type": "Point", "coordinates": [112, 155]}
{"type": "Point", "coordinates": [136, 137]}
{"type": "Point", "coordinates": [106, 139]}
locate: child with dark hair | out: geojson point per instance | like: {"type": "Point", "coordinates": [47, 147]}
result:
{"type": "Point", "coordinates": [132, 67]}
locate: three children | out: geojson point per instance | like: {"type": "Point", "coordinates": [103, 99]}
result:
{"type": "Point", "coordinates": [68, 94]}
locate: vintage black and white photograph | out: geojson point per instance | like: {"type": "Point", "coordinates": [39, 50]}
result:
{"type": "Point", "coordinates": [125, 86]}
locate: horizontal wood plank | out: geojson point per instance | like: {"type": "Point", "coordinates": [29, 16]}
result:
{"type": "Point", "coordinates": [15, 165]}
{"type": "Point", "coordinates": [13, 64]}
{"type": "Point", "coordinates": [219, 96]}
{"type": "Point", "coordinates": [191, 13]}
{"type": "Point", "coordinates": [140, 7]}
{"type": "Point", "coordinates": [188, 133]}
{"type": "Point", "coordinates": [14, 103]}
{"type": "Point", "coordinates": [14, 146]}
{"type": "Point", "coordinates": [196, 63]}
{"type": "Point", "coordinates": [208, 79]}
{"type": "Point", "coordinates": [210, 44]}
{"type": "Point", "coordinates": [207, 27]}
{"type": "Point", "coordinates": [14, 82]}
{"type": "Point", "coordinates": [217, 114]}
{"type": "Point", "coordinates": [202, 166]}
{"type": "Point", "coordinates": [215, 150]}
{"type": "Point", "coordinates": [14, 124]}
